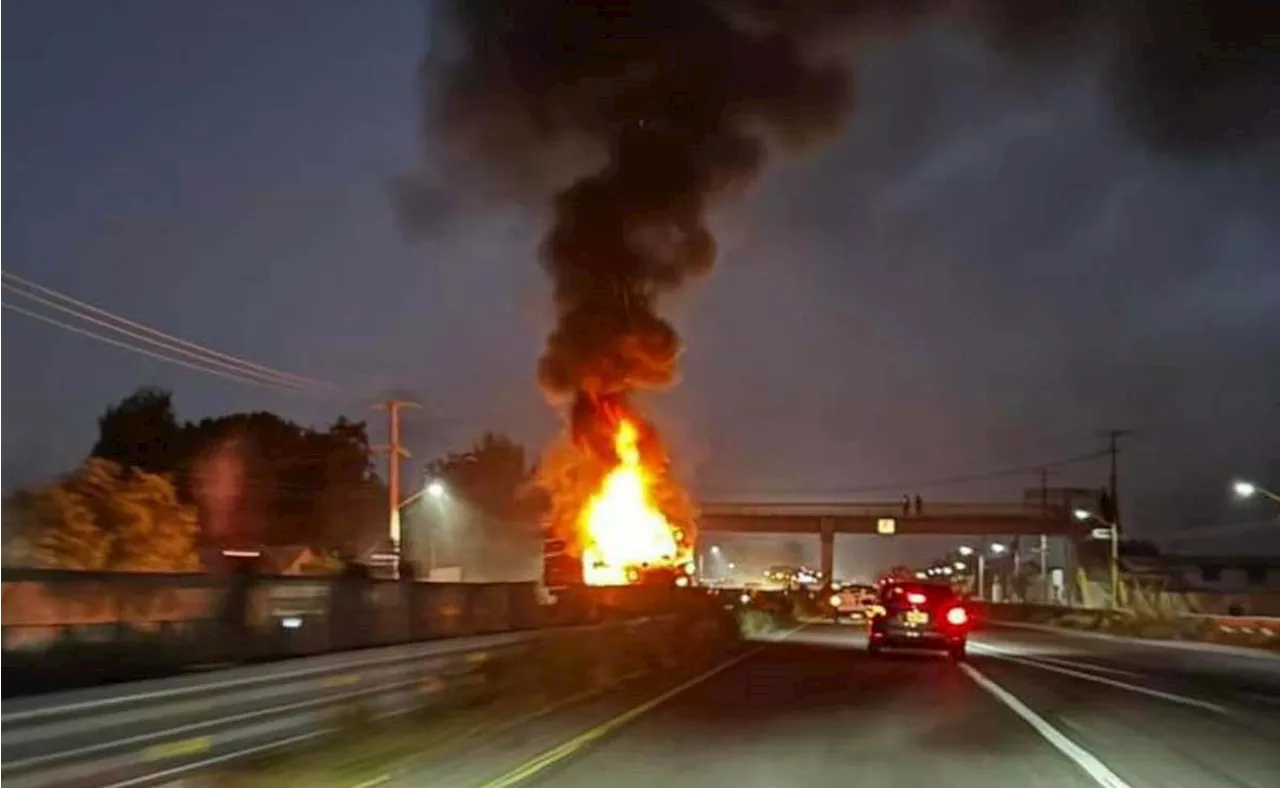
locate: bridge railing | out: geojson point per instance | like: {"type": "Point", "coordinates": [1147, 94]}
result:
{"type": "Point", "coordinates": [882, 509]}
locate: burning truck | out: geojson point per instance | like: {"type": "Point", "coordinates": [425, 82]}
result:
{"type": "Point", "coordinates": [616, 517]}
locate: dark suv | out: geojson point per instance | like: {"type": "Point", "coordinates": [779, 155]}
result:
{"type": "Point", "coordinates": [921, 615]}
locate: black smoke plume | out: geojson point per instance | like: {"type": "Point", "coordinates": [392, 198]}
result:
{"type": "Point", "coordinates": [639, 115]}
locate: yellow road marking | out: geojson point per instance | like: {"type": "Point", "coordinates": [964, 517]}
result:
{"type": "Point", "coordinates": [177, 749]}
{"type": "Point", "coordinates": [345, 680]}
{"type": "Point", "coordinates": [557, 754]}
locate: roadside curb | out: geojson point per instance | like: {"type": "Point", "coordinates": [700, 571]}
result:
{"type": "Point", "coordinates": [1183, 645]}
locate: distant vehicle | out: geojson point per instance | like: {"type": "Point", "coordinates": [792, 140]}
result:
{"type": "Point", "coordinates": [921, 615]}
{"type": "Point", "coordinates": [854, 603]}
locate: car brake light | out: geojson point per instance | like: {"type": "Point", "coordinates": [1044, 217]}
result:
{"type": "Point", "coordinates": [916, 599]}
{"type": "Point", "coordinates": [957, 616]}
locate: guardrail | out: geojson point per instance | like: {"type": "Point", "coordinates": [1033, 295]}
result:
{"type": "Point", "coordinates": [146, 732]}
{"type": "Point", "coordinates": [1250, 630]}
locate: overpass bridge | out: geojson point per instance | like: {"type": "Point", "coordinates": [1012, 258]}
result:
{"type": "Point", "coordinates": [889, 519]}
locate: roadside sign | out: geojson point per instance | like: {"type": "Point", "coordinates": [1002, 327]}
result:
{"type": "Point", "coordinates": [886, 526]}
{"type": "Point", "coordinates": [1100, 533]}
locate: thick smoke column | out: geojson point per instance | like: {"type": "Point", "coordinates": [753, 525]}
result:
{"type": "Point", "coordinates": [678, 99]}
{"type": "Point", "coordinates": [642, 113]}
{"type": "Point", "coordinates": [638, 115]}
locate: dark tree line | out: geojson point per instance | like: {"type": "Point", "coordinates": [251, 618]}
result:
{"type": "Point", "coordinates": [254, 478]}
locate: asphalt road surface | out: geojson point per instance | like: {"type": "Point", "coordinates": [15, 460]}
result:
{"type": "Point", "coordinates": [1028, 709]}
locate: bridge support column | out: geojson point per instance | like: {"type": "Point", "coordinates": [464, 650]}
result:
{"type": "Point", "coordinates": [827, 533]}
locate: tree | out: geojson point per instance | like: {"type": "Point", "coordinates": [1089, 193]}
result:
{"type": "Point", "coordinates": [140, 431]}
{"type": "Point", "coordinates": [491, 476]}
{"type": "Point", "coordinates": [259, 479]}
{"type": "Point", "coordinates": [255, 478]}
{"type": "Point", "coordinates": [104, 517]}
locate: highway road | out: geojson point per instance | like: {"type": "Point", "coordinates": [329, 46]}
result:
{"type": "Point", "coordinates": [1028, 709]}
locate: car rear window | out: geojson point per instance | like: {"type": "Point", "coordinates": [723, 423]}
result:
{"type": "Point", "coordinates": [898, 595]}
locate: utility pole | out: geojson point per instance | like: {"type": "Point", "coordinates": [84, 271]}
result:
{"type": "Point", "coordinates": [1113, 448]}
{"type": "Point", "coordinates": [394, 452]}
{"type": "Point", "coordinates": [1045, 580]}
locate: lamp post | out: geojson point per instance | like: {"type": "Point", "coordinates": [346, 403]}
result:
{"type": "Point", "coordinates": [436, 491]}
{"type": "Point", "coordinates": [1112, 534]}
{"type": "Point", "coordinates": [1246, 489]}
{"type": "Point", "coordinates": [981, 553]}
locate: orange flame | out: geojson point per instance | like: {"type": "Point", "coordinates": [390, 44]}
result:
{"type": "Point", "coordinates": [623, 531]}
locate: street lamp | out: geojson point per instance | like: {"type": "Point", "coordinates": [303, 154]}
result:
{"type": "Point", "coordinates": [965, 550]}
{"type": "Point", "coordinates": [1113, 535]}
{"type": "Point", "coordinates": [436, 491]}
{"type": "Point", "coordinates": [996, 549]}
{"type": "Point", "coordinates": [1246, 489]}
{"type": "Point", "coordinates": [715, 549]}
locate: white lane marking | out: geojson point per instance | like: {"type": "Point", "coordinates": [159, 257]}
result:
{"type": "Point", "coordinates": [1091, 666]}
{"type": "Point", "coordinates": [1079, 755]}
{"type": "Point", "coordinates": [987, 648]}
{"type": "Point", "coordinates": [1154, 693]}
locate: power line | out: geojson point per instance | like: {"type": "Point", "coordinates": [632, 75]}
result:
{"type": "Point", "coordinates": [198, 357]}
{"type": "Point", "coordinates": [1020, 470]}
{"type": "Point", "coordinates": [197, 363]}
{"type": "Point", "coordinates": [144, 351]}
{"type": "Point", "coordinates": [154, 336]}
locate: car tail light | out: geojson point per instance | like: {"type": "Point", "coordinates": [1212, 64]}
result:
{"type": "Point", "coordinates": [957, 617]}
{"type": "Point", "coordinates": [916, 599]}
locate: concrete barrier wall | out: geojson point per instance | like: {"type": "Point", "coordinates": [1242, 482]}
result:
{"type": "Point", "coordinates": [64, 629]}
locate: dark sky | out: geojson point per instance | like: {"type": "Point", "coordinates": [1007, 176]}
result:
{"type": "Point", "coordinates": [982, 272]}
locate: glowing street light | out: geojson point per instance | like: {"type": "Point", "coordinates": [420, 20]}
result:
{"type": "Point", "coordinates": [1112, 533]}
{"type": "Point", "coordinates": [435, 489]}
{"type": "Point", "coordinates": [998, 548]}
{"type": "Point", "coordinates": [959, 565]}
{"type": "Point", "coordinates": [1246, 489]}
{"type": "Point", "coordinates": [965, 550]}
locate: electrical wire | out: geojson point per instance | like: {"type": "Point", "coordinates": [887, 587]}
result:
{"type": "Point", "coordinates": [146, 352]}
{"type": "Point", "coordinates": [153, 336]}
{"type": "Point", "coordinates": [969, 478]}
